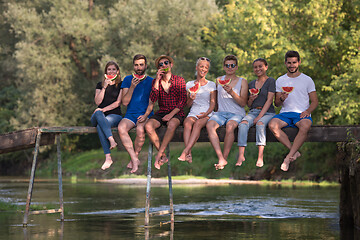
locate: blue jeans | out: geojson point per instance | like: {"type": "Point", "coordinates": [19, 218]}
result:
{"type": "Point", "coordinates": [104, 124]}
{"type": "Point", "coordinates": [260, 129]}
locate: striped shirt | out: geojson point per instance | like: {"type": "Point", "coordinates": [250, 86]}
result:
{"type": "Point", "coordinates": [175, 98]}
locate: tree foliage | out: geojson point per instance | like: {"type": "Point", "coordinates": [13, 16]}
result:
{"type": "Point", "coordinates": [53, 52]}
{"type": "Point", "coordinates": [325, 33]}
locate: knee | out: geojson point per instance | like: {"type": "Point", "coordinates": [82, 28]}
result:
{"type": "Point", "coordinates": [149, 127]}
{"type": "Point", "coordinates": [172, 125]}
{"type": "Point", "coordinates": [187, 124]}
{"type": "Point", "coordinates": [259, 123]}
{"type": "Point", "coordinates": [210, 125]}
{"type": "Point", "coordinates": [230, 128]}
{"type": "Point", "coordinates": [140, 132]}
{"type": "Point", "coordinates": [272, 125]}
{"type": "Point", "coordinates": [244, 123]}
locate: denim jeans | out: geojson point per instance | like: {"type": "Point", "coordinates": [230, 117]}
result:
{"type": "Point", "coordinates": [260, 129]}
{"type": "Point", "coordinates": [104, 124]}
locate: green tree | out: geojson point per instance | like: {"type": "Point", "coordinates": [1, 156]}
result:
{"type": "Point", "coordinates": [57, 61]}
{"type": "Point", "coordinates": [324, 32]}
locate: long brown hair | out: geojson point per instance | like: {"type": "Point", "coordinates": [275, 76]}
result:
{"type": "Point", "coordinates": [118, 79]}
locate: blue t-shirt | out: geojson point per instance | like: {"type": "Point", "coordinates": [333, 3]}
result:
{"type": "Point", "coordinates": [140, 98]}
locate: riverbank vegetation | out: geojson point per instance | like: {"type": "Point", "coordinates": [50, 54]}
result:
{"type": "Point", "coordinates": [53, 54]}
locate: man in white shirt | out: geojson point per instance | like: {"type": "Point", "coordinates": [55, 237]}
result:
{"type": "Point", "coordinates": [293, 92]}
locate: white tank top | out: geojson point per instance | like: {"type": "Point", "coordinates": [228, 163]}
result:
{"type": "Point", "coordinates": [225, 101]}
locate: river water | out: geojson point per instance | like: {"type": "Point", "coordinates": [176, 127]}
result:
{"type": "Point", "coordinates": [96, 210]}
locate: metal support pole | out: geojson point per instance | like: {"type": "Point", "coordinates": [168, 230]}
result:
{"type": "Point", "coordinates": [32, 177]}
{"type": "Point", "coordinates": [61, 198]}
{"type": "Point", "coordinates": [170, 186]}
{"type": "Point", "coordinates": [148, 185]}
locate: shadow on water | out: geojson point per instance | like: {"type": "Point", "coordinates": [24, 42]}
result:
{"type": "Point", "coordinates": [110, 211]}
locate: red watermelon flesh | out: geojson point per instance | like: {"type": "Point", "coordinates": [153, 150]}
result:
{"type": "Point", "coordinates": [110, 77]}
{"type": "Point", "coordinates": [254, 91]}
{"type": "Point", "coordinates": [224, 82]}
{"type": "Point", "coordinates": [141, 77]}
{"type": "Point", "coordinates": [287, 89]}
{"type": "Point", "coordinates": [195, 88]}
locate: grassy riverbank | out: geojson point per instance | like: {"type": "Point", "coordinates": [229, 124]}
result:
{"type": "Point", "coordinates": [317, 163]}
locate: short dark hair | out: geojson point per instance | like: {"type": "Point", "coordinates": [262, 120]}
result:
{"type": "Point", "coordinates": [261, 60]}
{"type": "Point", "coordinates": [139, 56]}
{"type": "Point", "coordinates": [230, 57]}
{"type": "Point", "coordinates": [291, 54]}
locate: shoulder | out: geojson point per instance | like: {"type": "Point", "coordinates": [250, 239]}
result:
{"type": "Point", "coordinates": [128, 78]}
{"type": "Point", "coordinates": [99, 85]}
{"type": "Point", "coordinates": [178, 79]}
{"type": "Point", "coordinates": [283, 77]}
{"type": "Point", "coordinates": [148, 78]}
{"type": "Point", "coordinates": [304, 76]}
{"type": "Point", "coordinates": [190, 83]}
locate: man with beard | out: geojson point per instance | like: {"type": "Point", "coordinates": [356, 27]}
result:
{"type": "Point", "coordinates": [293, 92]}
{"type": "Point", "coordinates": [136, 92]}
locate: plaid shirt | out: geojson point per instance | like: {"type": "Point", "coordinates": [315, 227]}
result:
{"type": "Point", "coordinates": [176, 98]}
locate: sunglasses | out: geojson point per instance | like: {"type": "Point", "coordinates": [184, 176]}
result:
{"type": "Point", "coordinates": [163, 63]}
{"type": "Point", "coordinates": [233, 65]}
{"type": "Point", "coordinates": [205, 58]}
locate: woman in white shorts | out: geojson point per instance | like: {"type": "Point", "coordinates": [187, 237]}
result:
{"type": "Point", "coordinates": [202, 107]}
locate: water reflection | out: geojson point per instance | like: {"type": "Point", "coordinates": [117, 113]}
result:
{"type": "Point", "coordinates": [108, 211]}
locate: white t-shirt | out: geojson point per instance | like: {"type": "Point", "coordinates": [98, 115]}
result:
{"type": "Point", "coordinates": [201, 102]}
{"type": "Point", "coordinates": [225, 101]}
{"type": "Point", "coordinates": [298, 99]}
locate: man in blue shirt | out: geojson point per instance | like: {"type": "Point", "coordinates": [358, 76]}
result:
{"type": "Point", "coordinates": [136, 92]}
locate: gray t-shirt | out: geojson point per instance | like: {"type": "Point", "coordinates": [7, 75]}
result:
{"type": "Point", "coordinates": [269, 86]}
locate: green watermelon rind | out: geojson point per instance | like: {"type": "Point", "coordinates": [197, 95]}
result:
{"type": "Point", "coordinates": [254, 89]}
{"type": "Point", "coordinates": [139, 77]}
{"type": "Point", "coordinates": [111, 79]}
{"type": "Point", "coordinates": [224, 82]}
{"type": "Point", "coordinates": [165, 69]}
{"type": "Point", "coordinates": [191, 91]}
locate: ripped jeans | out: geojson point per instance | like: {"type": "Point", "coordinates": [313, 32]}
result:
{"type": "Point", "coordinates": [260, 129]}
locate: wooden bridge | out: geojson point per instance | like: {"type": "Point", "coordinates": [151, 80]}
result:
{"type": "Point", "coordinates": [349, 166]}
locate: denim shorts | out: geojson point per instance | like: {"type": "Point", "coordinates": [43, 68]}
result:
{"type": "Point", "coordinates": [223, 117]}
{"type": "Point", "coordinates": [291, 118]}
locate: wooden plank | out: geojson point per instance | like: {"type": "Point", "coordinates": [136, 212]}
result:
{"type": "Point", "coordinates": [24, 139]}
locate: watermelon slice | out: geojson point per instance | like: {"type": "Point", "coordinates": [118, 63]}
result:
{"type": "Point", "coordinates": [195, 88]}
{"type": "Point", "coordinates": [224, 82]}
{"type": "Point", "coordinates": [254, 91]}
{"type": "Point", "coordinates": [141, 77]}
{"type": "Point", "coordinates": [110, 77]}
{"type": "Point", "coordinates": [165, 69]}
{"type": "Point", "coordinates": [287, 89]}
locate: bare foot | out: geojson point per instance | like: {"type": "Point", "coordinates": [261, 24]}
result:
{"type": "Point", "coordinates": [135, 166]}
{"type": "Point", "coordinates": [182, 156]}
{"type": "Point", "coordinates": [260, 162]}
{"type": "Point", "coordinates": [188, 158]}
{"type": "Point", "coordinates": [163, 160]}
{"type": "Point", "coordinates": [113, 144]}
{"type": "Point", "coordinates": [221, 164]}
{"type": "Point", "coordinates": [296, 155]}
{"type": "Point", "coordinates": [157, 164]}
{"type": "Point", "coordinates": [286, 163]}
{"type": "Point", "coordinates": [130, 165]}
{"type": "Point", "coordinates": [107, 164]}
{"type": "Point", "coordinates": [240, 160]}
